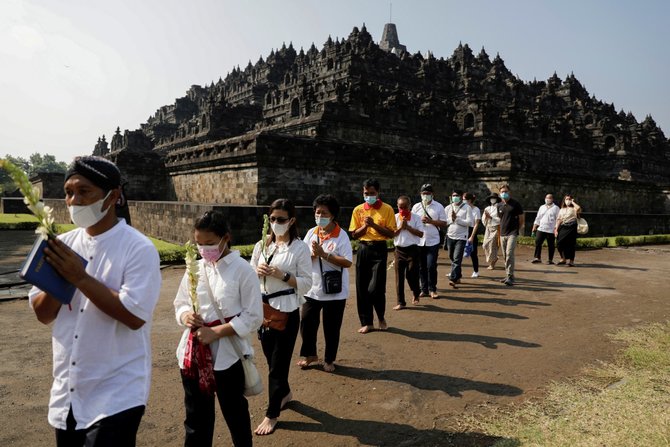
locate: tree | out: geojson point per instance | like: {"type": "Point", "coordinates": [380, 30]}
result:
{"type": "Point", "coordinates": [35, 164]}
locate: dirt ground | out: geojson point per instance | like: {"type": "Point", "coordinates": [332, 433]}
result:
{"type": "Point", "coordinates": [484, 343]}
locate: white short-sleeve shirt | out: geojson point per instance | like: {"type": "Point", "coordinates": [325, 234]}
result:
{"type": "Point", "coordinates": [431, 233]}
{"type": "Point", "coordinates": [405, 238]}
{"type": "Point", "coordinates": [338, 246]}
{"type": "Point", "coordinates": [101, 367]}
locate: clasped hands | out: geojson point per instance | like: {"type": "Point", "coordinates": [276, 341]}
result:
{"type": "Point", "coordinates": [195, 322]}
{"type": "Point", "coordinates": [269, 270]}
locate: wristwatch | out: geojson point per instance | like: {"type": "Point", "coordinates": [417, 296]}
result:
{"type": "Point", "coordinates": [286, 277]}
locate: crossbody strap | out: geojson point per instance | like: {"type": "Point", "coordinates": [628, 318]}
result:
{"type": "Point", "coordinates": [315, 232]}
{"type": "Point", "coordinates": [233, 338]}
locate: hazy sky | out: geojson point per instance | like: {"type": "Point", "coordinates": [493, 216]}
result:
{"type": "Point", "coordinates": [72, 70]}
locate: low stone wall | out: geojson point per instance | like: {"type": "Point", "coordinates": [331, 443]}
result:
{"type": "Point", "coordinates": [173, 221]}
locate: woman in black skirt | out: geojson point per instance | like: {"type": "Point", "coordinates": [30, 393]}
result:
{"type": "Point", "coordinates": [566, 230]}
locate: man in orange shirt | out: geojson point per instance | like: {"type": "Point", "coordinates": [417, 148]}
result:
{"type": "Point", "coordinates": [372, 224]}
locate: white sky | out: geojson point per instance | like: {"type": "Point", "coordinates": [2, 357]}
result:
{"type": "Point", "coordinates": [72, 70]}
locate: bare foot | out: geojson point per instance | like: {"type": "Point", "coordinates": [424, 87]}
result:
{"type": "Point", "coordinates": [382, 325]}
{"type": "Point", "coordinates": [329, 367]}
{"type": "Point", "coordinates": [365, 329]}
{"type": "Point", "coordinates": [415, 300]}
{"type": "Point", "coordinates": [307, 361]}
{"type": "Point", "coordinates": [267, 427]}
{"type": "Point", "coordinates": [288, 398]}
{"type": "Point", "coordinates": [399, 307]}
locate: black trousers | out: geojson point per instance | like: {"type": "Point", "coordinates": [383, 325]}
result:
{"type": "Point", "coordinates": [278, 349]}
{"type": "Point", "coordinates": [199, 423]}
{"type": "Point", "coordinates": [567, 241]}
{"type": "Point", "coordinates": [540, 236]}
{"type": "Point", "coordinates": [407, 266]}
{"type": "Point", "coordinates": [473, 255]}
{"type": "Point", "coordinates": [371, 282]}
{"type": "Point", "coordinates": [118, 430]}
{"type": "Point", "coordinates": [333, 313]}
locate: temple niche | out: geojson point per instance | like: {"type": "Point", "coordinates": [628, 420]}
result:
{"type": "Point", "coordinates": [297, 123]}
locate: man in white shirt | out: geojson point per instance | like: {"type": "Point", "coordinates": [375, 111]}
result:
{"type": "Point", "coordinates": [406, 239]}
{"type": "Point", "coordinates": [543, 228]}
{"type": "Point", "coordinates": [433, 218]}
{"type": "Point", "coordinates": [101, 340]}
{"type": "Point", "coordinates": [459, 219]}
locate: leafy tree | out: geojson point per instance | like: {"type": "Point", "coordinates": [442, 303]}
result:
{"type": "Point", "coordinates": [35, 164]}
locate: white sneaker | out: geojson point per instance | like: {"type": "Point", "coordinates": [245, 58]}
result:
{"type": "Point", "coordinates": [475, 275]}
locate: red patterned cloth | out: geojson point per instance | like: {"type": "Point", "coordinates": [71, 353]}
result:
{"type": "Point", "coordinates": [198, 362]}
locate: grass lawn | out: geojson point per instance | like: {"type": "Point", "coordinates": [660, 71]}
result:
{"type": "Point", "coordinates": [622, 403]}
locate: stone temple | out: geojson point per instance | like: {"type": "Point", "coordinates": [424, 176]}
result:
{"type": "Point", "coordinates": [300, 123]}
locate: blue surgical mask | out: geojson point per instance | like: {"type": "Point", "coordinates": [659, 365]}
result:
{"type": "Point", "coordinates": [456, 199]}
{"type": "Point", "coordinates": [504, 195]}
{"type": "Point", "coordinates": [322, 222]}
{"type": "Point", "coordinates": [370, 200]}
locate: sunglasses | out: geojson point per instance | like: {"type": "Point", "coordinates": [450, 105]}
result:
{"type": "Point", "coordinates": [279, 220]}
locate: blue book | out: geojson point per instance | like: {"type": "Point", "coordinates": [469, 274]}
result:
{"type": "Point", "coordinates": [37, 271]}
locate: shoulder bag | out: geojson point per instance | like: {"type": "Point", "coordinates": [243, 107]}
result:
{"type": "Point", "coordinates": [582, 226]}
{"type": "Point", "coordinates": [331, 280]}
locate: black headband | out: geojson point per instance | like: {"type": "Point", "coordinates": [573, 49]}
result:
{"type": "Point", "coordinates": [100, 171]}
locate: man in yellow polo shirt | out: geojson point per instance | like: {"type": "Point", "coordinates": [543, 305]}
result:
{"type": "Point", "coordinates": [372, 223]}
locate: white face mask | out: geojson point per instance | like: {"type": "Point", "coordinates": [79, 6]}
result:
{"type": "Point", "coordinates": [548, 201]}
{"type": "Point", "coordinates": [568, 202]}
{"type": "Point", "coordinates": [88, 215]}
{"type": "Point", "coordinates": [279, 229]}
{"type": "Point", "coordinates": [493, 201]}
{"type": "Point", "coordinates": [426, 198]}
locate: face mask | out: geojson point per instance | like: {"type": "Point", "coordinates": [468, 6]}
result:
{"type": "Point", "coordinates": [88, 215]}
{"type": "Point", "coordinates": [568, 202]}
{"type": "Point", "coordinates": [405, 214]}
{"type": "Point", "coordinates": [426, 198]}
{"type": "Point", "coordinates": [456, 199]}
{"type": "Point", "coordinates": [493, 201]}
{"type": "Point", "coordinates": [211, 253]}
{"type": "Point", "coordinates": [548, 202]}
{"type": "Point", "coordinates": [370, 200]}
{"type": "Point", "coordinates": [279, 229]}
{"type": "Point", "coordinates": [322, 221]}
{"type": "Point", "coordinates": [504, 195]}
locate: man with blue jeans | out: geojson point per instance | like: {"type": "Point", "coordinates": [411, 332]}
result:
{"type": "Point", "coordinates": [459, 220]}
{"type": "Point", "coordinates": [433, 218]}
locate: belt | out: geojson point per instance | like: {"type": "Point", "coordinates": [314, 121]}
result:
{"type": "Point", "coordinates": [267, 296]}
{"type": "Point", "coordinates": [373, 243]}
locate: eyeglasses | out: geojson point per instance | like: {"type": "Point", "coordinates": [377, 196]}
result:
{"type": "Point", "coordinates": [279, 220]}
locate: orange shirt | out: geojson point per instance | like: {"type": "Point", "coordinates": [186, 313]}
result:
{"type": "Point", "coordinates": [384, 217]}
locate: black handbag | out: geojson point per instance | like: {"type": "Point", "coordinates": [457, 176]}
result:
{"type": "Point", "coordinates": [331, 280]}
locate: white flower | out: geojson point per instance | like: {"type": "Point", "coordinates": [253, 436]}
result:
{"type": "Point", "coordinates": [42, 231]}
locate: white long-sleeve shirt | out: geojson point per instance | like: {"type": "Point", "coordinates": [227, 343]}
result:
{"type": "Point", "coordinates": [296, 259]}
{"type": "Point", "coordinates": [236, 290]}
{"type": "Point", "coordinates": [494, 219]}
{"type": "Point", "coordinates": [101, 367]}
{"type": "Point", "coordinates": [431, 234]}
{"type": "Point", "coordinates": [459, 228]}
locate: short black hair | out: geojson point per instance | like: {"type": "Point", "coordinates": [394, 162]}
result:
{"type": "Point", "coordinates": [213, 221]}
{"type": "Point", "coordinates": [329, 202]}
{"type": "Point", "coordinates": [457, 191]}
{"type": "Point", "coordinates": [371, 182]}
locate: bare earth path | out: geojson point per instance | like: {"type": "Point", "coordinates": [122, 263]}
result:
{"type": "Point", "coordinates": [481, 343]}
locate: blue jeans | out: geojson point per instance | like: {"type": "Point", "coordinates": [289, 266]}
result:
{"type": "Point", "coordinates": [428, 268]}
{"type": "Point", "coordinates": [456, 248]}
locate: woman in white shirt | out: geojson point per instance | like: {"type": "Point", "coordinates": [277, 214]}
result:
{"type": "Point", "coordinates": [491, 222]}
{"type": "Point", "coordinates": [566, 230]}
{"type": "Point", "coordinates": [331, 251]}
{"type": "Point", "coordinates": [229, 310]}
{"type": "Point", "coordinates": [284, 264]}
